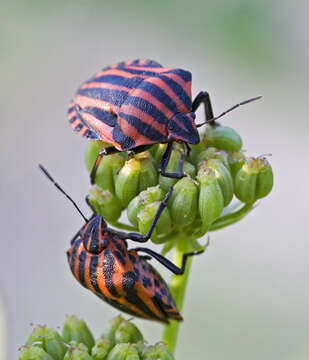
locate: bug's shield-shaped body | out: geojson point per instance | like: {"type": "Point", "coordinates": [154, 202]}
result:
{"type": "Point", "coordinates": [135, 103]}
{"type": "Point", "coordinates": [102, 263]}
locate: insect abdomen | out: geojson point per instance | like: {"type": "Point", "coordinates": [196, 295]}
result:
{"type": "Point", "coordinates": [121, 282]}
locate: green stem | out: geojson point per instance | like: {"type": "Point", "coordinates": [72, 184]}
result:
{"type": "Point", "coordinates": [178, 289]}
{"type": "Point", "coordinates": [232, 218]}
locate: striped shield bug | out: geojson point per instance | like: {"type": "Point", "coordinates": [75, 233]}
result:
{"type": "Point", "coordinates": [100, 260]}
{"type": "Point", "coordinates": [135, 104]}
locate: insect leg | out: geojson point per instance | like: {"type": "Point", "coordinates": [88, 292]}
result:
{"type": "Point", "coordinates": [106, 151]}
{"type": "Point", "coordinates": [165, 159]}
{"type": "Point", "coordinates": [167, 263]}
{"type": "Point", "coordinates": [143, 238]}
{"type": "Point", "coordinates": [203, 97]}
{"type": "Point", "coordinates": [139, 149]}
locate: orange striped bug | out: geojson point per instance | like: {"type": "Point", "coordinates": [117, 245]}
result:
{"type": "Point", "coordinates": [135, 104]}
{"type": "Point", "coordinates": [100, 260]}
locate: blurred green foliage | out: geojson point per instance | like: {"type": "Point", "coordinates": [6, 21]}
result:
{"type": "Point", "coordinates": [242, 31]}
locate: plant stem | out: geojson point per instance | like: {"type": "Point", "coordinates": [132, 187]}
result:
{"type": "Point", "coordinates": [231, 218]}
{"type": "Point", "coordinates": [178, 288]}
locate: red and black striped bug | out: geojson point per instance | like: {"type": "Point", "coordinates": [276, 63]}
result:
{"type": "Point", "coordinates": [100, 260]}
{"type": "Point", "coordinates": [135, 104]}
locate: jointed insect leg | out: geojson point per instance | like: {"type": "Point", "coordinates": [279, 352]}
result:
{"type": "Point", "coordinates": [167, 263]}
{"type": "Point", "coordinates": [165, 159]}
{"type": "Point", "coordinates": [143, 238]}
{"type": "Point", "coordinates": [139, 149]}
{"type": "Point", "coordinates": [112, 150]}
{"type": "Point", "coordinates": [106, 151]}
{"type": "Point", "coordinates": [203, 97]}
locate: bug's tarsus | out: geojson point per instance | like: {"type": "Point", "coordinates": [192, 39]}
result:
{"type": "Point", "coordinates": [143, 238]}
{"type": "Point", "coordinates": [112, 150]}
{"type": "Point", "coordinates": [103, 152]}
{"type": "Point", "coordinates": [90, 205]}
{"type": "Point", "coordinates": [47, 174]}
{"type": "Point", "coordinates": [167, 263]}
{"type": "Point", "coordinates": [165, 159]}
{"type": "Point", "coordinates": [212, 120]}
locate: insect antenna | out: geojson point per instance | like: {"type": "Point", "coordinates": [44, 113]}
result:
{"type": "Point", "coordinates": [228, 110]}
{"type": "Point", "coordinates": [42, 168]}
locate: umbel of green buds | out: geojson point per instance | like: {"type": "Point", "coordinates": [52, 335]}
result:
{"type": "Point", "coordinates": [215, 170]}
{"type": "Point", "coordinates": [254, 180]}
{"type": "Point", "coordinates": [121, 340]}
{"type": "Point", "coordinates": [77, 330]}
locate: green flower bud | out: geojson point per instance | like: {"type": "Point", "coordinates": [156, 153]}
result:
{"type": "Point", "coordinates": [124, 352]}
{"type": "Point", "coordinates": [136, 175]}
{"type": "Point", "coordinates": [211, 200]}
{"type": "Point", "coordinates": [49, 340]}
{"type": "Point", "coordinates": [158, 351]}
{"type": "Point", "coordinates": [183, 202]}
{"type": "Point", "coordinates": [265, 179]}
{"type": "Point", "coordinates": [146, 216]}
{"type": "Point", "coordinates": [173, 167]}
{"type": "Point", "coordinates": [254, 180]}
{"type": "Point", "coordinates": [127, 332]}
{"type": "Point", "coordinates": [108, 168]}
{"type": "Point", "coordinates": [160, 150]}
{"type": "Point", "coordinates": [213, 153]}
{"type": "Point", "coordinates": [101, 349]}
{"type": "Point", "coordinates": [236, 160]}
{"type": "Point", "coordinates": [92, 151]}
{"type": "Point", "coordinates": [33, 352]}
{"type": "Point", "coordinates": [146, 197]}
{"type": "Point", "coordinates": [148, 175]}
{"type": "Point", "coordinates": [105, 203]}
{"type": "Point", "coordinates": [127, 181]}
{"type": "Point", "coordinates": [77, 330]}
{"type": "Point", "coordinates": [77, 351]}
{"type": "Point", "coordinates": [222, 137]}
{"type": "Point", "coordinates": [206, 154]}
{"type": "Point", "coordinates": [193, 155]}
{"type": "Point", "coordinates": [224, 178]}
{"type": "Point", "coordinates": [153, 150]}
{"type": "Point", "coordinates": [113, 325]}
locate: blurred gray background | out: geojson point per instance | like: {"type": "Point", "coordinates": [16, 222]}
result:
{"type": "Point", "coordinates": [248, 295]}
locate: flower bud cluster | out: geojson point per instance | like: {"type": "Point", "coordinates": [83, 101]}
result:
{"type": "Point", "coordinates": [216, 170]}
{"type": "Point", "coordinates": [121, 340]}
